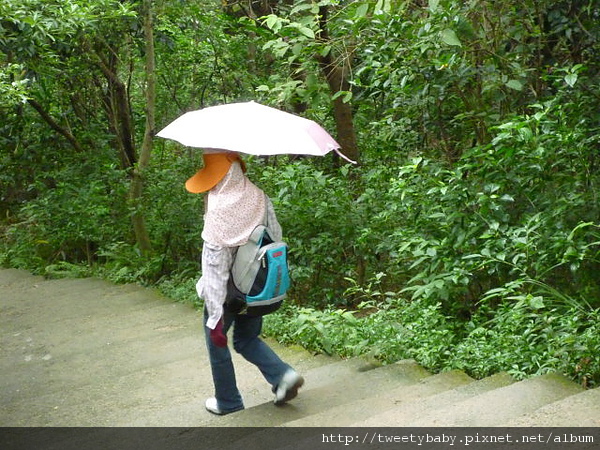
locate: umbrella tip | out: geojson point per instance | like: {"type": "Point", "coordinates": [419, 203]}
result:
{"type": "Point", "coordinates": [337, 150]}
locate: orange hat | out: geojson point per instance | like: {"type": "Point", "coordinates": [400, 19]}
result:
{"type": "Point", "coordinates": [216, 166]}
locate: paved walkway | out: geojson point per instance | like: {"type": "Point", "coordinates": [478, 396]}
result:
{"type": "Point", "coordinates": [89, 353]}
{"type": "Point", "coordinates": [86, 352]}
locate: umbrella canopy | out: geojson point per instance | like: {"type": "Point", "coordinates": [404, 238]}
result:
{"type": "Point", "coordinates": [251, 128]}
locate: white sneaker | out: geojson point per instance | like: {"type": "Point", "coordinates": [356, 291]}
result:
{"type": "Point", "coordinates": [212, 406]}
{"type": "Point", "coordinates": [288, 387]}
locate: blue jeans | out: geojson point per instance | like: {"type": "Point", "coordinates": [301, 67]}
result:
{"type": "Point", "coordinates": [246, 341]}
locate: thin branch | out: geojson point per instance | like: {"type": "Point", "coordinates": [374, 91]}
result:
{"type": "Point", "coordinates": [55, 126]}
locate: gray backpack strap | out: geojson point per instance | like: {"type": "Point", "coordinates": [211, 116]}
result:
{"type": "Point", "coordinates": [266, 218]}
{"type": "Point", "coordinates": [245, 264]}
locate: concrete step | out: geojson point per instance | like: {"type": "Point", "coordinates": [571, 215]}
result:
{"type": "Point", "coordinates": [499, 405]}
{"type": "Point", "coordinates": [87, 353]}
{"type": "Point", "coordinates": [114, 356]}
{"type": "Point", "coordinates": [384, 402]}
{"type": "Point", "coordinates": [190, 411]}
{"type": "Point", "coordinates": [186, 408]}
{"type": "Point", "coordinates": [335, 391]}
{"type": "Point", "coordinates": [396, 406]}
{"type": "Point", "coordinates": [37, 349]}
{"type": "Point", "coordinates": [411, 411]}
{"type": "Point", "coordinates": [578, 410]}
{"type": "Point", "coordinates": [17, 277]}
{"type": "Point", "coordinates": [76, 299]}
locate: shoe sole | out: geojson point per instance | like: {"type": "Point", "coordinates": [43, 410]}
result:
{"type": "Point", "coordinates": [217, 412]}
{"type": "Point", "coordinates": [291, 393]}
{"type": "Point", "coordinates": [222, 413]}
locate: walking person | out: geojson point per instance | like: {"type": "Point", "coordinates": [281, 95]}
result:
{"type": "Point", "coordinates": [234, 206]}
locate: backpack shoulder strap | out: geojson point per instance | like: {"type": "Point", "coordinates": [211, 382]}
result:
{"type": "Point", "coordinates": [266, 217]}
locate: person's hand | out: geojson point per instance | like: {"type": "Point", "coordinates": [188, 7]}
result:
{"type": "Point", "coordinates": [217, 336]}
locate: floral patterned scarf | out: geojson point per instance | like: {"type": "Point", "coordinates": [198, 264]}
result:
{"type": "Point", "coordinates": [235, 206]}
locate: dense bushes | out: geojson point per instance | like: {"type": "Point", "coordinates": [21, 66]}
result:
{"type": "Point", "coordinates": [523, 338]}
{"type": "Point", "coordinates": [468, 236]}
{"type": "Point", "coordinates": [75, 208]}
{"type": "Point", "coordinates": [488, 264]}
{"type": "Point", "coordinates": [520, 208]}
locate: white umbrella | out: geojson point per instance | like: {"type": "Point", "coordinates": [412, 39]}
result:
{"type": "Point", "coordinates": [252, 128]}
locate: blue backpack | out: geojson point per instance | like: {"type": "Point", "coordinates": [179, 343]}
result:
{"type": "Point", "coordinates": [259, 277]}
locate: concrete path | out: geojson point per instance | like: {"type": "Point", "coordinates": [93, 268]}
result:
{"type": "Point", "coordinates": [86, 352]}
{"type": "Point", "coordinates": [89, 353]}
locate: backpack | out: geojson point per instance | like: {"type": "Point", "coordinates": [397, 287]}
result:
{"type": "Point", "coordinates": [259, 277]}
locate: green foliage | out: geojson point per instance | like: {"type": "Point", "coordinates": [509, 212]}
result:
{"type": "Point", "coordinates": [523, 339]}
{"type": "Point", "coordinates": [76, 212]}
{"type": "Point", "coordinates": [469, 235]}
{"type": "Point", "coordinates": [13, 85]}
{"type": "Point", "coordinates": [323, 248]}
{"type": "Point", "coordinates": [531, 337]}
{"type": "Point", "coordinates": [181, 289]}
{"type": "Point", "coordinates": [458, 68]}
{"type": "Point", "coordinates": [174, 216]}
{"type": "Point", "coordinates": [196, 47]}
{"type": "Point", "coordinates": [124, 263]}
{"type": "Point", "coordinates": [385, 326]}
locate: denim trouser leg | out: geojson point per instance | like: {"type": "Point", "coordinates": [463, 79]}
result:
{"type": "Point", "coordinates": [246, 341]}
{"type": "Point", "coordinates": [226, 391]}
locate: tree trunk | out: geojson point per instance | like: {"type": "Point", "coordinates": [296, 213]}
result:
{"type": "Point", "coordinates": [137, 181]}
{"type": "Point", "coordinates": [118, 108]}
{"type": "Point", "coordinates": [336, 71]}
{"type": "Point", "coordinates": [335, 68]}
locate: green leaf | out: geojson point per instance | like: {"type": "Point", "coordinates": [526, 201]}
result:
{"type": "Point", "coordinates": [273, 22]}
{"type": "Point", "coordinates": [297, 48]}
{"type": "Point", "coordinates": [536, 302]}
{"type": "Point", "coordinates": [361, 11]}
{"type": "Point", "coordinates": [306, 32]}
{"type": "Point", "coordinates": [302, 7]}
{"type": "Point", "coordinates": [433, 5]}
{"type": "Point", "coordinates": [571, 79]}
{"type": "Point", "coordinates": [347, 96]}
{"type": "Point", "coordinates": [450, 37]}
{"type": "Point", "coordinates": [311, 80]}
{"type": "Point", "coordinates": [383, 6]}
{"type": "Point", "coordinates": [325, 50]}
{"type": "Point", "coordinates": [515, 84]}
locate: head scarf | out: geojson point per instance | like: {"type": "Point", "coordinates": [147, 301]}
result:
{"type": "Point", "coordinates": [235, 206]}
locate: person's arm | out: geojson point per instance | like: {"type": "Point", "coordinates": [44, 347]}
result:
{"type": "Point", "coordinates": [212, 286]}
